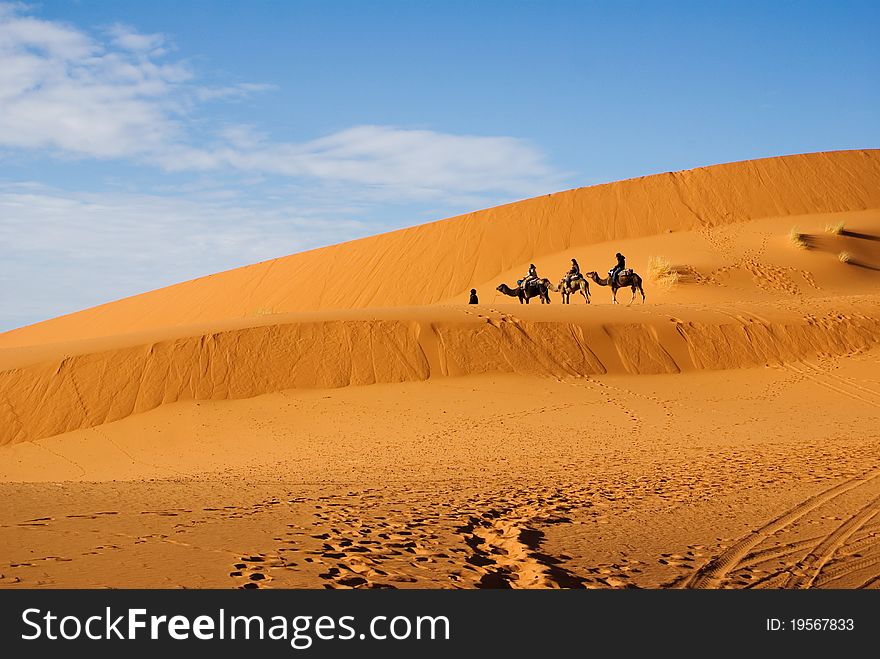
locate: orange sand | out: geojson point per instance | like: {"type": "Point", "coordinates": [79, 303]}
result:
{"type": "Point", "coordinates": [341, 418]}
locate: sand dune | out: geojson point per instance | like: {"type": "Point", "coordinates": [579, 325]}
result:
{"type": "Point", "coordinates": [196, 340]}
{"type": "Point", "coordinates": [340, 418]}
{"type": "Point", "coordinates": [609, 481]}
{"type": "Point", "coordinates": [442, 260]}
{"type": "Point", "coordinates": [81, 391]}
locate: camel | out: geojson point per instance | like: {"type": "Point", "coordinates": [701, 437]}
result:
{"type": "Point", "coordinates": [537, 288]}
{"type": "Point", "coordinates": [576, 285]}
{"type": "Point", "coordinates": [632, 280]}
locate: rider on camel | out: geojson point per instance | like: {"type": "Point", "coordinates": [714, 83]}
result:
{"type": "Point", "coordinates": [616, 270]}
{"type": "Point", "coordinates": [574, 273]}
{"type": "Point", "coordinates": [529, 278]}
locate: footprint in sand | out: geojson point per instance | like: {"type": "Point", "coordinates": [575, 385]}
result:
{"type": "Point", "coordinates": [252, 571]}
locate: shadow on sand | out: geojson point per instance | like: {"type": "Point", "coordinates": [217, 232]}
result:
{"type": "Point", "coordinates": [860, 236]}
{"type": "Point", "coordinates": [862, 264]}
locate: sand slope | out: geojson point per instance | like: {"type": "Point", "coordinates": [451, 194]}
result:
{"type": "Point", "coordinates": [724, 434]}
{"type": "Point", "coordinates": [744, 478]}
{"type": "Point", "coordinates": [197, 341]}
{"type": "Point", "coordinates": [80, 391]}
{"type": "Point", "coordinates": [441, 260]}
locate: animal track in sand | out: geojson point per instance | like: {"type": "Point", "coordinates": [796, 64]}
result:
{"type": "Point", "coordinates": [505, 543]}
{"type": "Point", "coordinates": [369, 544]}
{"type": "Point", "coordinates": [766, 276]}
{"type": "Point", "coordinates": [610, 394]}
{"type": "Point", "coordinates": [494, 317]}
{"type": "Point", "coordinates": [721, 239]}
{"type": "Point", "coordinates": [836, 383]}
{"type": "Point", "coordinates": [502, 533]}
{"type": "Point", "coordinates": [368, 541]}
{"type": "Point", "coordinates": [770, 278]}
{"type": "Point", "coordinates": [826, 365]}
{"type": "Point", "coordinates": [252, 571]}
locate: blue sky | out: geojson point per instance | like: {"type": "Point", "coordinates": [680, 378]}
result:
{"type": "Point", "coordinates": [145, 143]}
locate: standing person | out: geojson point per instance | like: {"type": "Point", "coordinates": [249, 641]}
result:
{"type": "Point", "coordinates": [616, 270]}
{"type": "Point", "coordinates": [574, 273]}
{"type": "Point", "coordinates": [473, 299]}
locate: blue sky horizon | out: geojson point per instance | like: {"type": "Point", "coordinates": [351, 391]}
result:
{"type": "Point", "coordinates": [143, 144]}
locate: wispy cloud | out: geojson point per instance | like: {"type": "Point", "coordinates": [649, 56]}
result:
{"type": "Point", "coordinates": [409, 162]}
{"type": "Point", "coordinates": [232, 92]}
{"type": "Point", "coordinates": [234, 194]}
{"type": "Point", "coordinates": [60, 89]}
{"type": "Point", "coordinates": [128, 38]}
{"type": "Point", "coordinates": [65, 90]}
{"type": "Point", "coordinates": [63, 251]}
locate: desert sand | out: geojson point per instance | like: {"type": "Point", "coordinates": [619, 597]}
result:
{"type": "Point", "coordinates": [341, 418]}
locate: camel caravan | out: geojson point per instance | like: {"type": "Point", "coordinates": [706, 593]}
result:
{"type": "Point", "coordinates": [574, 283]}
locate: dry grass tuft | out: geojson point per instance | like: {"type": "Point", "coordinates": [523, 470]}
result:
{"type": "Point", "coordinates": [835, 229]}
{"type": "Point", "coordinates": [845, 257]}
{"type": "Point", "coordinates": [798, 239]}
{"type": "Point", "coordinates": [264, 311]}
{"type": "Point", "coordinates": [661, 272]}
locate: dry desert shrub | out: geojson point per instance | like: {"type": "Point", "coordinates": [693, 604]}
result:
{"type": "Point", "coordinates": [835, 229]}
{"type": "Point", "coordinates": [845, 257]}
{"type": "Point", "coordinates": [662, 273]}
{"type": "Point", "coordinates": [264, 311]}
{"type": "Point", "coordinates": [797, 238]}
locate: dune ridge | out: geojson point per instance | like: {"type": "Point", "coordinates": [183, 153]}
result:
{"type": "Point", "coordinates": [433, 262]}
{"type": "Point", "coordinates": [726, 434]}
{"type": "Point", "coordinates": [81, 391]}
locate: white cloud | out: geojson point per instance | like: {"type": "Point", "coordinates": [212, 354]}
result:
{"type": "Point", "coordinates": [60, 89]}
{"type": "Point", "coordinates": [129, 39]}
{"type": "Point", "coordinates": [65, 251]}
{"type": "Point", "coordinates": [63, 90]}
{"type": "Point", "coordinates": [411, 163]}
{"type": "Point", "coordinates": [53, 39]}
{"type": "Point", "coordinates": [118, 95]}
{"type": "Point", "coordinates": [142, 226]}
{"type": "Point", "coordinates": [231, 92]}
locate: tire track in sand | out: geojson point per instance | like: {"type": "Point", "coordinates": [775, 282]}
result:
{"type": "Point", "coordinates": [805, 573]}
{"type": "Point", "coordinates": [838, 572]}
{"type": "Point", "coordinates": [816, 378]}
{"type": "Point", "coordinates": [711, 574]}
{"type": "Point", "coordinates": [844, 558]}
